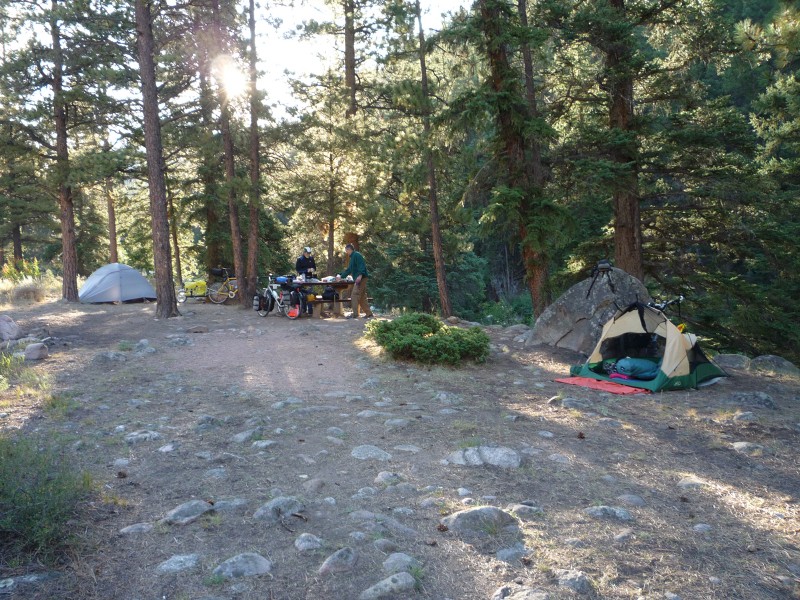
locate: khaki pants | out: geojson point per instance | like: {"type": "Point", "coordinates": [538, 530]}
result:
{"type": "Point", "coordinates": [358, 297]}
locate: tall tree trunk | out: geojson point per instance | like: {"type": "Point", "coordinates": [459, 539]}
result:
{"type": "Point", "coordinates": [16, 242]}
{"type": "Point", "coordinates": [213, 249]}
{"type": "Point", "coordinates": [511, 112]}
{"type": "Point", "coordinates": [69, 251]}
{"type": "Point", "coordinates": [166, 304]}
{"type": "Point", "coordinates": [538, 275]}
{"type": "Point", "coordinates": [173, 226]}
{"type": "Point", "coordinates": [627, 218]}
{"type": "Point", "coordinates": [112, 215]}
{"type": "Point", "coordinates": [251, 282]}
{"type": "Point", "coordinates": [350, 55]}
{"type": "Point", "coordinates": [331, 212]}
{"type": "Point", "coordinates": [230, 161]}
{"type": "Point", "coordinates": [436, 234]}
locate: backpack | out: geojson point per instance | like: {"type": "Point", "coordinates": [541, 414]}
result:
{"type": "Point", "coordinates": [329, 293]}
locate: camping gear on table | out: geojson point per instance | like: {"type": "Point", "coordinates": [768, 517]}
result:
{"type": "Point", "coordinates": [641, 347]}
{"type": "Point", "coordinates": [116, 283]}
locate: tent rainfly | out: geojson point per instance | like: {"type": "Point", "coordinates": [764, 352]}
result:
{"type": "Point", "coordinates": [116, 283]}
{"type": "Point", "coordinates": [641, 347]}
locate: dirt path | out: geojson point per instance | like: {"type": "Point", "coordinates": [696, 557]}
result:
{"type": "Point", "coordinates": [279, 428]}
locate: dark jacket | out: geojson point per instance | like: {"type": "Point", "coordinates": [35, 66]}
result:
{"type": "Point", "coordinates": [305, 266]}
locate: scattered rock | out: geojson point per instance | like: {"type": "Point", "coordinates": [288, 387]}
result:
{"type": "Point", "coordinates": [368, 452]}
{"type": "Point", "coordinates": [307, 541]}
{"type": "Point", "coordinates": [608, 512]}
{"type": "Point", "coordinates": [247, 564]}
{"type": "Point", "coordinates": [396, 584]}
{"type": "Point", "coordinates": [9, 330]}
{"type": "Point", "coordinates": [277, 508]}
{"type": "Point", "coordinates": [484, 520]}
{"type": "Point", "coordinates": [505, 458]}
{"type": "Point", "coordinates": [37, 351]}
{"type": "Point", "coordinates": [339, 562]}
{"type": "Point", "coordinates": [178, 563]}
{"type": "Point", "coordinates": [774, 364]}
{"type": "Point", "coordinates": [575, 580]}
{"type": "Point", "coordinates": [399, 562]}
{"type": "Point", "coordinates": [188, 512]}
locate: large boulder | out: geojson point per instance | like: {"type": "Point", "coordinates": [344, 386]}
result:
{"type": "Point", "coordinates": [576, 319]}
{"type": "Point", "coordinates": [8, 329]}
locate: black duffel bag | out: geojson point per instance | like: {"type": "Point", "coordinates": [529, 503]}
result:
{"type": "Point", "coordinates": [330, 294]}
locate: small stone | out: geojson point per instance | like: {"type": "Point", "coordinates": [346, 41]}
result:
{"type": "Point", "coordinates": [399, 562]}
{"type": "Point", "coordinates": [369, 452]}
{"type": "Point", "coordinates": [340, 561]}
{"type": "Point", "coordinates": [395, 584]}
{"type": "Point", "coordinates": [137, 528]}
{"type": "Point", "coordinates": [181, 562]}
{"type": "Point", "coordinates": [247, 564]}
{"type": "Point", "coordinates": [605, 512]}
{"type": "Point", "coordinates": [307, 541]}
{"type": "Point", "coordinates": [702, 528]}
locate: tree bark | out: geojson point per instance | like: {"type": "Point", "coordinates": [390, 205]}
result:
{"type": "Point", "coordinates": [69, 252]}
{"type": "Point", "coordinates": [16, 243]}
{"type": "Point", "coordinates": [112, 216]}
{"type": "Point", "coordinates": [173, 226]}
{"type": "Point", "coordinates": [522, 168]}
{"type": "Point", "coordinates": [331, 211]}
{"type": "Point", "coordinates": [251, 281]}
{"type": "Point", "coordinates": [166, 304]}
{"type": "Point", "coordinates": [350, 55]}
{"type": "Point", "coordinates": [436, 234]}
{"type": "Point", "coordinates": [628, 254]}
{"type": "Point", "coordinates": [213, 249]}
{"type": "Point", "coordinates": [230, 164]}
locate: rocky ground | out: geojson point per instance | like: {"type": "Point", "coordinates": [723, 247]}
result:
{"type": "Point", "coordinates": [239, 457]}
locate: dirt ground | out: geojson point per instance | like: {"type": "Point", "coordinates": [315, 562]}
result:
{"type": "Point", "coordinates": [707, 520]}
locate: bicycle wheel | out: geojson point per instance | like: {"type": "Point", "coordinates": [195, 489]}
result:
{"type": "Point", "coordinates": [181, 296]}
{"type": "Point", "coordinates": [218, 293]}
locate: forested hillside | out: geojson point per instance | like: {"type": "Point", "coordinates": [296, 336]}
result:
{"type": "Point", "coordinates": [482, 167]}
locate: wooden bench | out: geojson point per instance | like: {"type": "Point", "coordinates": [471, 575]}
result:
{"type": "Point", "coordinates": [337, 306]}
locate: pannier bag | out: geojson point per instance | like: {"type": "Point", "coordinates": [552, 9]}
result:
{"type": "Point", "coordinates": [263, 303]}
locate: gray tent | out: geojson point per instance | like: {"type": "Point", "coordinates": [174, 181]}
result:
{"type": "Point", "coordinates": [116, 283]}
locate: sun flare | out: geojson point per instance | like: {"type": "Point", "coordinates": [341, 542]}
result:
{"type": "Point", "coordinates": [229, 76]}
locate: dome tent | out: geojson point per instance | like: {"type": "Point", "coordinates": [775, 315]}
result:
{"type": "Point", "coordinates": [116, 283]}
{"type": "Point", "coordinates": [644, 334]}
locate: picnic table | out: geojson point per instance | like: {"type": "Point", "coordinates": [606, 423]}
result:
{"type": "Point", "coordinates": [342, 286]}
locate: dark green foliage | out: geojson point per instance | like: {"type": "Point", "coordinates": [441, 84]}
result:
{"type": "Point", "coordinates": [39, 494]}
{"type": "Point", "coordinates": [405, 278]}
{"type": "Point", "coordinates": [423, 338]}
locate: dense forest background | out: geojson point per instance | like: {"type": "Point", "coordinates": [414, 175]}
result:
{"type": "Point", "coordinates": [482, 168]}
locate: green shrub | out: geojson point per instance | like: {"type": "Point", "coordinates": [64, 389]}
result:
{"type": "Point", "coordinates": [39, 494]}
{"type": "Point", "coordinates": [508, 312]}
{"type": "Point", "coordinates": [422, 337]}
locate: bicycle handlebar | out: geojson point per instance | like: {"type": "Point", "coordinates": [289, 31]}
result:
{"type": "Point", "coordinates": [665, 303]}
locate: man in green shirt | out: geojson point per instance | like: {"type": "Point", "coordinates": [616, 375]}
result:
{"type": "Point", "coordinates": [357, 267]}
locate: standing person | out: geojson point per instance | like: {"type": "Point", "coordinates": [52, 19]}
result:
{"type": "Point", "coordinates": [306, 265]}
{"type": "Point", "coordinates": [357, 267]}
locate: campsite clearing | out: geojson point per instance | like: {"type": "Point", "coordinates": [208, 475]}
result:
{"type": "Point", "coordinates": [223, 407]}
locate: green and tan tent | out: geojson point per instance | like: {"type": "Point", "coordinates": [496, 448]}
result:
{"type": "Point", "coordinates": [645, 335]}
